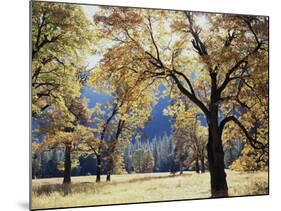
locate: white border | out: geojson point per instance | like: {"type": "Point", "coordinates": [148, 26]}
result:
{"type": "Point", "coordinates": [14, 105]}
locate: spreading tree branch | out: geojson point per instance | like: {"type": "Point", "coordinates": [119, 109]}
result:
{"type": "Point", "coordinates": [192, 97]}
{"type": "Point", "coordinates": [252, 141]}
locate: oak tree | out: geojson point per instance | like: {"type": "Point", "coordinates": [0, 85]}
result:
{"type": "Point", "coordinates": [218, 61]}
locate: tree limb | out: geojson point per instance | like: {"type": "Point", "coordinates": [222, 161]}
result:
{"type": "Point", "coordinates": [252, 141]}
{"type": "Point", "coordinates": [186, 79]}
{"type": "Point", "coordinates": [192, 97]}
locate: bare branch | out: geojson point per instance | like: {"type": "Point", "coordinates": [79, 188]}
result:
{"type": "Point", "coordinates": [230, 37]}
{"type": "Point", "coordinates": [197, 43]}
{"type": "Point", "coordinates": [153, 40]}
{"type": "Point", "coordinates": [192, 97]}
{"type": "Point", "coordinates": [252, 141]}
{"type": "Point", "coordinates": [187, 81]}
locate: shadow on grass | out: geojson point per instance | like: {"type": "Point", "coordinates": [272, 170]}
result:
{"type": "Point", "coordinates": [148, 178]}
{"type": "Point", "coordinates": [89, 187]}
{"type": "Point", "coordinates": [65, 189]}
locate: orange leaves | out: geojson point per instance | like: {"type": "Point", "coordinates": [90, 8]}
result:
{"type": "Point", "coordinates": [179, 25]}
{"type": "Point", "coordinates": [114, 19]}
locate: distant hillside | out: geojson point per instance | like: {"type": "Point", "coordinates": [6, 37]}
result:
{"type": "Point", "coordinates": [158, 126]}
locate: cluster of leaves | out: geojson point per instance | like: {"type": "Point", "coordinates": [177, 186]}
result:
{"type": "Point", "coordinates": [61, 38]}
{"type": "Point", "coordinates": [250, 160]}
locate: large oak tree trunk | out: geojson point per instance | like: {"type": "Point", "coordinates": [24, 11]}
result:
{"type": "Point", "coordinates": [67, 165]}
{"type": "Point", "coordinates": [98, 168]}
{"type": "Point", "coordinates": [214, 147]}
{"type": "Point", "coordinates": [216, 157]}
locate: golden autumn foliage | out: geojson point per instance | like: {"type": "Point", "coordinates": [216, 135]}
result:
{"type": "Point", "coordinates": [213, 68]}
{"type": "Point", "coordinates": [250, 160]}
{"type": "Point", "coordinates": [217, 62]}
{"type": "Point", "coordinates": [62, 36]}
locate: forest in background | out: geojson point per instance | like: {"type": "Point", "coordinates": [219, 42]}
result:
{"type": "Point", "coordinates": [213, 67]}
{"type": "Point", "coordinates": [155, 155]}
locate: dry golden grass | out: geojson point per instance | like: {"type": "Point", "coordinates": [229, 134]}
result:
{"type": "Point", "coordinates": [132, 188]}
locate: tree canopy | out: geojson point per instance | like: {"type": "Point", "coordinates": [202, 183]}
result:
{"type": "Point", "coordinates": [224, 74]}
{"type": "Point", "coordinates": [212, 67]}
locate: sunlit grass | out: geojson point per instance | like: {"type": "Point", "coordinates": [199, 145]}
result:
{"type": "Point", "coordinates": [131, 188]}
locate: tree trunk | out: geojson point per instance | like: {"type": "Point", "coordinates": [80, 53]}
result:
{"type": "Point", "coordinates": [67, 165]}
{"type": "Point", "coordinates": [98, 167]}
{"type": "Point", "coordinates": [197, 165]}
{"type": "Point", "coordinates": [108, 176]}
{"type": "Point", "coordinates": [203, 164]}
{"type": "Point", "coordinates": [109, 168]}
{"type": "Point", "coordinates": [231, 157]}
{"type": "Point", "coordinates": [214, 147]}
{"type": "Point", "coordinates": [216, 160]}
{"type": "Point", "coordinates": [181, 171]}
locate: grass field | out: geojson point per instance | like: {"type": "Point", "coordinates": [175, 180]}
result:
{"type": "Point", "coordinates": [132, 188]}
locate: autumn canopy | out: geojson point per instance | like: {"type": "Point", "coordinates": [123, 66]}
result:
{"type": "Point", "coordinates": [212, 67]}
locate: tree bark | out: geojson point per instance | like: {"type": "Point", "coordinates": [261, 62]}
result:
{"type": "Point", "coordinates": [203, 164]}
{"type": "Point", "coordinates": [109, 168]}
{"type": "Point", "coordinates": [197, 165]}
{"type": "Point", "coordinates": [181, 171]}
{"type": "Point", "coordinates": [67, 165]}
{"type": "Point", "coordinates": [216, 160]}
{"type": "Point", "coordinates": [108, 176]}
{"type": "Point", "coordinates": [98, 168]}
{"type": "Point", "coordinates": [214, 147]}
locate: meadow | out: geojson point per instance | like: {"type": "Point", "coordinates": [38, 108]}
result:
{"type": "Point", "coordinates": [132, 188]}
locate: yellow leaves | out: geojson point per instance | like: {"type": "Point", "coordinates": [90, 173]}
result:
{"type": "Point", "coordinates": [113, 19]}
{"type": "Point", "coordinates": [35, 147]}
{"type": "Point", "coordinates": [179, 25]}
{"type": "Point", "coordinates": [74, 163]}
{"type": "Point", "coordinates": [170, 111]}
{"type": "Point", "coordinates": [139, 50]}
{"type": "Point", "coordinates": [65, 137]}
{"type": "Point", "coordinates": [250, 160]}
{"type": "Point", "coordinates": [78, 139]}
{"type": "Point", "coordinates": [184, 113]}
{"type": "Point", "coordinates": [125, 117]}
{"type": "Point", "coordinates": [61, 37]}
